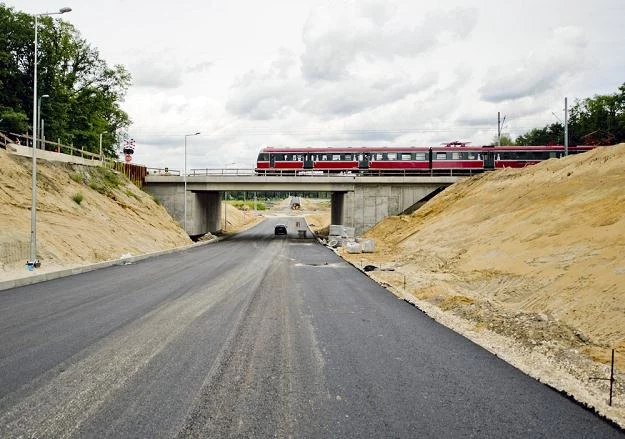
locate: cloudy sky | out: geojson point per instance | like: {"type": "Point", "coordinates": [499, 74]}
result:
{"type": "Point", "coordinates": [248, 74]}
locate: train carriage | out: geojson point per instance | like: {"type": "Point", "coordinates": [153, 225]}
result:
{"type": "Point", "coordinates": [453, 159]}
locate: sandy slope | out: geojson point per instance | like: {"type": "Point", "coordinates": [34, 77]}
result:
{"type": "Point", "coordinates": [536, 255]}
{"type": "Point", "coordinates": [103, 226]}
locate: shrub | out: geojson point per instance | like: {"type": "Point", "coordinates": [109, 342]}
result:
{"type": "Point", "coordinates": [112, 179]}
{"type": "Point", "coordinates": [77, 197]}
{"type": "Point", "coordinates": [76, 176]}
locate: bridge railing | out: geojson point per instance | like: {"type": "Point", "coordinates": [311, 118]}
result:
{"type": "Point", "coordinates": [163, 171]}
{"type": "Point", "coordinates": [226, 172]}
{"type": "Point", "coordinates": [229, 172]}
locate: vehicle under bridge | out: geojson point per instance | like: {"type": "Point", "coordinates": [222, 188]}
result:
{"type": "Point", "coordinates": [356, 201]}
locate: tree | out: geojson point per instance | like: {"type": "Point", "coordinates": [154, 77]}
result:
{"type": "Point", "coordinates": [601, 113]}
{"type": "Point", "coordinates": [550, 135]}
{"type": "Point", "coordinates": [503, 141]}
{"type": "Point", "coordinates": [85, 93]}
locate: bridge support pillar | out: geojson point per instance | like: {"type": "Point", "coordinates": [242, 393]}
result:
{"type": "Point", "coordinates": [203, 208]}
{"type": "Point", "coordinates": [369, 204]}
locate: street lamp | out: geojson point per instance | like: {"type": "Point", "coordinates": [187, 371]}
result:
{"type": "Point", "coordinates": [39, 114]}
{"type": "Point", "coordinates": [33, 262]}
{"type": "Point", "coordinates": [101, 156]}
{"type": "Point", "coordinates": [185, 178]}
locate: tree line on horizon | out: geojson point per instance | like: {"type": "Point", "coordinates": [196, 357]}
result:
{"type": "Point", "coordinates": [599, 120]}
{"type": "Point", "coordinates": [84, 91]}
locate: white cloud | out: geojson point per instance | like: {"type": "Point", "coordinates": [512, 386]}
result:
{"type": "Point", "coordinates": [156, 71]}
{"type": "Point", "coordinates": [337, 35]}
{"type": "Point", "coordinates": [563, 55]}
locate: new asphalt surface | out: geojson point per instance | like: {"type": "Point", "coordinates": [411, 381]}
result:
{"type": "Point", "coordinates": [254, 336]}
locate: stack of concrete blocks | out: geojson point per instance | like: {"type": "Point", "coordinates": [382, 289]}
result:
{"type": "Point", "coordinates": [345, 236]}
{"type": "Point", "coordinates": [368, 245]}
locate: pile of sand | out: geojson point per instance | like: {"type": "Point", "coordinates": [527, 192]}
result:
{"type": "Point", "coordinates": [535, 254]}
{"type": "Point", "coordinates": [114, 218]}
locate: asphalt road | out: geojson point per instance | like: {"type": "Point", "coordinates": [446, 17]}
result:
{"type": "Point", "coordinates": [254, 336]}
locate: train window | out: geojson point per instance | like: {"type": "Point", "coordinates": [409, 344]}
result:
{"type": "Point", "coordinates": [471, 156]}
{"type": "Point", "coordinates": [455, 156]}
{"type": "Point", "coordinates": [378, 156]}
{"type": "Point", "coordinates": [336, 157]}
{"type": "Point", "coordinates": [392, 156]}
{"type": "Point", "coordinates": [441, 156]}
{"type": "Point", "coordinates": [263, 156]}
{"type": "Point", "coordinates": [420, 156]}
{"type": "Point", "coordinates": [324, 157]}
{"type": "Point", "coordinates": [299, 158]}
{"type": "Point", "coordinates": [360, 157]}
{"type": "Point", "coordinates": [406, 156]}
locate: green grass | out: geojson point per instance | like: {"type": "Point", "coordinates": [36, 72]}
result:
{"type": "Point", "coordinates": [104, 181]}
{"type": "Point", "coordinates": [76, 176]}
{"type": "Point", "coordinates": [77, 197]}
{"type": "Point", "coordinates": [248, 205]}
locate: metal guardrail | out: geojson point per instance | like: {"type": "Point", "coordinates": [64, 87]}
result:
{"type": "Point", "coordinates": [135, 173]}
{"type": "Point", "coordinates": [46, 145]}
{"type": "Point", "coordinates": [163, 171]}
{"type": "Point", "coordinates": [225, 172]}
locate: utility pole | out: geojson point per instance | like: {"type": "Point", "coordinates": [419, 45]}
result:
{"type": "Point", "coordinates": [566, 127]}
{"type": "Point", "coordinates": [500, 127]}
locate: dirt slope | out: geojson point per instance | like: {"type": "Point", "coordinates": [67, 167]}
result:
{"type": "Point", "coordinates": [114, 218]}
{"type": "Point", "coordinates": [535, 254]}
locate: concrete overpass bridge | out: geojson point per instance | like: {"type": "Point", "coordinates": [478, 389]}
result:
{"type": "Point", "coordinates": [357, 201]}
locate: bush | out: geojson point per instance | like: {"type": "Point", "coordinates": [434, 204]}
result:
{"type": "Point", "coordinates": [97, 186]}
{"type": "Point", "coordinates": [76, 176]}
{"type": "Point", "coordinates": [247, 205]}
{"type": "Point", "coordinates": [77, 197]}
{"type": "Point", "coordinates": [112, 179]}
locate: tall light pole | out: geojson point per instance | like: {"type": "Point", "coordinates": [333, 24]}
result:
{"type": "Point", "coordinates": [185, 177]}
{"type": "Point", "coordinates": [101, 156]}
{"type": "Point", "coordinates": [39, 114]}
{"type": "Point", "coordinates": [33, 262]}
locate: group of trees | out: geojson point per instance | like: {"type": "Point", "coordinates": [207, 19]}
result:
{"type": "Point", "coordinates": [596, 120]}
{"type": "Point", "coordinates": [84, 92]}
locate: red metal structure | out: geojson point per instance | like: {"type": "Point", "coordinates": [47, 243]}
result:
{"type": "Point", "coordinates": [454, 158]}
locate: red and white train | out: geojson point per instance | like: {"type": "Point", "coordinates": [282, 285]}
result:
{"type": "Point", "coordinates": [455, 158]}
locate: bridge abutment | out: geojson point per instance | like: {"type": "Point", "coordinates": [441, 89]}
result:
{"type": "Point", "coordinates": [357, 201]}
{"type": "Point", "coordinates": [369, 204]}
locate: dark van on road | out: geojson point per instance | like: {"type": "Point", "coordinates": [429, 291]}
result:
{"type": "Point", "coordinates": [280, 229]}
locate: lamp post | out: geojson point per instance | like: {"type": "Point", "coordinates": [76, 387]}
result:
{"type": "Point", "coordinates": [39, 115]}
{"type": "Point", "coordinates": [185, 177]}
{"type": "Point", "coordinates": [33, 262]}
{"type": "Point", "coordinates": [101, 156]}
